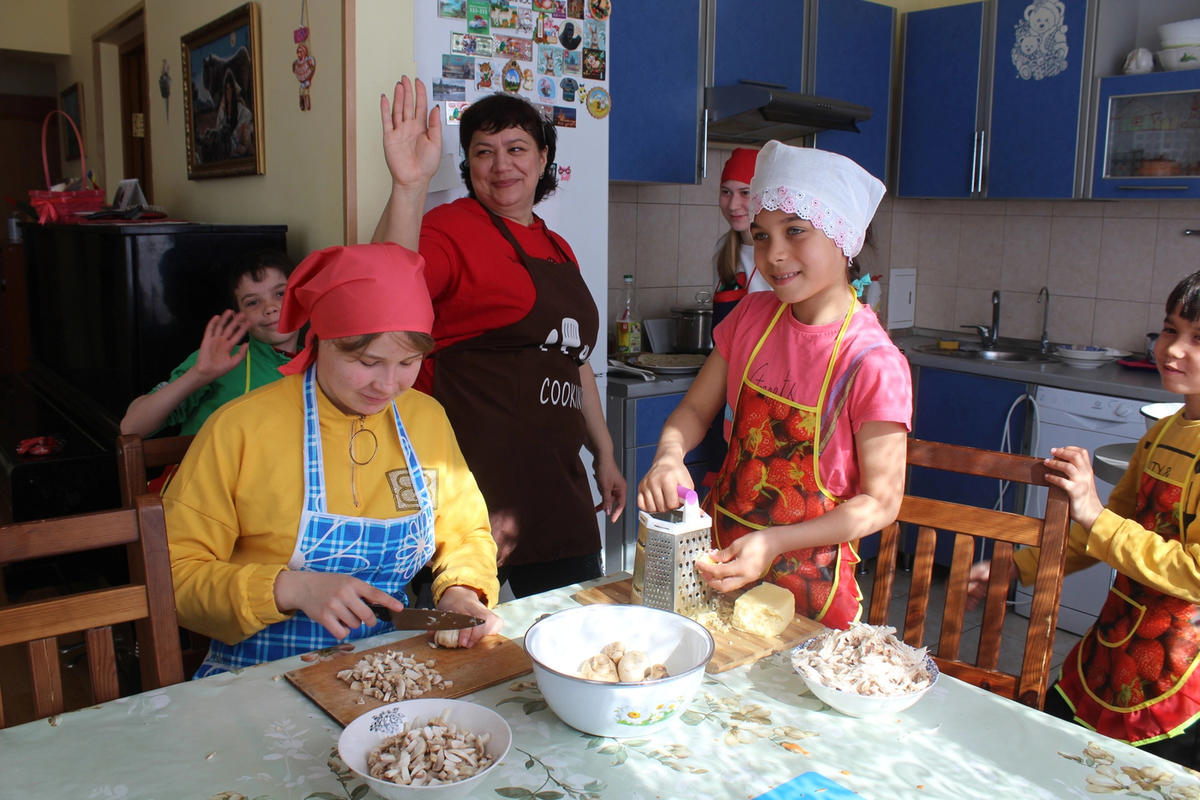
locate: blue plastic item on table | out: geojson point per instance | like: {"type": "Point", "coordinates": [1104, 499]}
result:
{"type": "Point", "coordinates": [808, 786]}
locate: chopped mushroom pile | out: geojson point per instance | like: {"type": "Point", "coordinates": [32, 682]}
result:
{"type": "Point", "coordinates": [429, 754]}
{"type": "Point", "coordinates": [864, 659]}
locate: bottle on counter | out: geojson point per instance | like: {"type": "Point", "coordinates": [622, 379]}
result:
{"type": "Point", "coordinates": [629, 324]}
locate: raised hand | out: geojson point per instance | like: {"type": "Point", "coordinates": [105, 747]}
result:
{"type": "Point", "coordinates": [412, 135]}
{"type": "Point", "coordinates": [217, 355]}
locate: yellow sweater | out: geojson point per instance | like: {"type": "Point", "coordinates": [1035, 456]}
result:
{"type": "Point", "coordinates": [1170, 566]}
{"type": "Point", "coordinates": [233, 509]}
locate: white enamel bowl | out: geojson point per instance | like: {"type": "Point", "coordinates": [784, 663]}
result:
{"type": "Point", "coordinates": [372, 728]}
{"type": "Point", "coordinates": [853, 704]}
{"type": "Point", "coordinates": [1153, 412]}
{"type": "Point", "coordinates": [557, 644]}
{"type": "Point", "coordinates": [1176, 34]}
{"type": "Point", "coordinates": [1176, 58]}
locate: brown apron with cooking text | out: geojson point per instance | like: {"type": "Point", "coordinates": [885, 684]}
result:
{"type": "Point", "coordinates": [1133, 675]}
{"type": "Point", "coordinates": [514, 398]}
{"type": "Point", "coordinates": [772, 476]}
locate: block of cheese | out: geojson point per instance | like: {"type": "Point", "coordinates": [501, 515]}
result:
{"type": "Point", "coordinates": [764, 610]}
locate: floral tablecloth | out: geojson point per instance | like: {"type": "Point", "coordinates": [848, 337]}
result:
{"type": "Point", "coordinates": [252, 735]}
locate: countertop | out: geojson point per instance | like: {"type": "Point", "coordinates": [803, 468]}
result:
{"type": "Point", "coordinates": [628, 386]}
{"type": "Point", "coordinates": [1111, 379]}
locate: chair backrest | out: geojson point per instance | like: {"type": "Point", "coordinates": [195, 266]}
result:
{"type": "Point", "coordinates": [148, 601]}
{"type": "Point", "coordinates": [135, 455]}
{"type": "Point", "coordinates": [969, 524]}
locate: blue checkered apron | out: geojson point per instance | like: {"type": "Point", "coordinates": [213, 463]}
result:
{"type": "Point", "coordinates": [385, 553]}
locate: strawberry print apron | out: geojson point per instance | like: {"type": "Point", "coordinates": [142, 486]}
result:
{"type": "Point", "coordinates": [1133, 676]}
{"type": "Point", "coordinates": [771, 476]}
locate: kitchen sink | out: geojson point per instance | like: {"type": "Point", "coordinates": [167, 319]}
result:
{"type": "Point", "coordinates": [976, 351]}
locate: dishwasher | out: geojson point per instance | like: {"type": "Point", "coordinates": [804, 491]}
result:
{"type": "Point", "coordinates": [1089, 421]}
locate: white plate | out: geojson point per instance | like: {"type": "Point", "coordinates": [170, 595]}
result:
{"type": "Point", "coordinates": [1084, 352]}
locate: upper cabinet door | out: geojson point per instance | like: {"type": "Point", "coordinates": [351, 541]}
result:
{"type": "Point", "coordinates": [758, 40]}
{"type": "Point", "coordinates": [938, 142]}
{"type": "Point", "coordinates": [1036, 90]}
{"type": "Point", "coordinates": [854, 45]}
{"type": "Point", "coordinates": [655, 58]}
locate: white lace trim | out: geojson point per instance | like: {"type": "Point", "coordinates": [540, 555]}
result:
{"type": "Point", "coordinates": [808, 207]}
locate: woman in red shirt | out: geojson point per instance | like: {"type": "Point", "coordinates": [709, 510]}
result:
{"type": "Point", "coordinates": [514, 326]}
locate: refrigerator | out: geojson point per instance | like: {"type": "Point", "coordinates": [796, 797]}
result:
{"type": "Point", "coordinates": [467, 49]}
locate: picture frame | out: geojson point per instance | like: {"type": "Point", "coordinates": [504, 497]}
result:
{"type": "Point", "coordinates": [70, 102]}
{"type": "Point", "coordinates": [222, 100]}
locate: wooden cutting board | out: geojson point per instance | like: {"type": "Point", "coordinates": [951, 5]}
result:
{"type": "Point", "coordinates": [489, 662]}
{"type": "Point", "coordinates": [733, 647]}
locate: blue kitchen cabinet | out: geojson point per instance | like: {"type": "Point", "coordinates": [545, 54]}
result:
{"type": "Point", "coordinates": [940, 97]}
{"type": "Point", "coordinates": [1146, 137]}
{"type": "Point", "coordinates": [991, 101]}
{"type": "Point", "coordinates": [853, 61]}
{"type": "Point", "coordinates": [760, 41]}
{"type": "Point", "coordinates": [971, 410]}
{"type": "Point", "coordinates": [656, 61]}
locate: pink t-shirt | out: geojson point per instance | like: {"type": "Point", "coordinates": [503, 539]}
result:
{"type": "Point", "coordinates": [871, 381]}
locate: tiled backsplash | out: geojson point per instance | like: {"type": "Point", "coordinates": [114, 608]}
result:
{"type": "Point", "coordinates": [1109, 265]}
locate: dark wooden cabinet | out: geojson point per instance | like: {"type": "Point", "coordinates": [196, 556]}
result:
{"type": "Point", "coordinates": [113, 308]}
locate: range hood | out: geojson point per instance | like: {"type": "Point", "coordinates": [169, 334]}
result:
{"type": "Point", "coordinates": [753, 113]}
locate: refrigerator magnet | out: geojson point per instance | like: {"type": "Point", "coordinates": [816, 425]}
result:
{"type": "Point", "coordinates": [569, 36]}
{"type": "Point", "coordinates": [510, 78]}
{"type": "Point", "coordinates": [545, 88]}
{"type": "Point", "coordinates": [593, 63]}
{"type": "Point", "coordinates": [598, 102]}
{"type": "Point", "coordinates": [527, 80]}
{"type": "Point", "coordinates": [564, 173]}
{"type": "Point", "coordinates": [560, 9]}
{"type": "Point", "coordinates": [575, 9]}
{"type": "Point", "coordinates": [599, 9]}
{"type": "Point", "coordinates": [564, 117]}
{"type": "Point", "coordinates": [485, 75]}
{"type": "Point", "coordinates": [454, 111]}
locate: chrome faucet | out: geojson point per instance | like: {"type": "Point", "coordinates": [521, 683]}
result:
{"type": "Point", "coordinates": [988, 336]}
{"type": "Point", "coordinates": [1045, 344]}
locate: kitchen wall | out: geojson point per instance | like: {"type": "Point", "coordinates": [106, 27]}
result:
{"type": "Point", "coordinates": [1109, 265]}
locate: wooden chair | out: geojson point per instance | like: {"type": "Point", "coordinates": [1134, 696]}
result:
{"type": "Point", "coordinates": [1004, 530]}
{"type": "Point", "coordinates": [135, 456]}
{"type": "Point", "coordinates": [148, 600]}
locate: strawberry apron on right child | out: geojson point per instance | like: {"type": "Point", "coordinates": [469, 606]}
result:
{"type": "Point", "coordinates": [1133, 675]}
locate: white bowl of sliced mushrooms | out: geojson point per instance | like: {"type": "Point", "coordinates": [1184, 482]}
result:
{"type": "Point", "coordinates": [618, 670]}
{"type": "Point", "coordinates": [428, 748]}
{"type": "Point", "coordinates": [865, 670]}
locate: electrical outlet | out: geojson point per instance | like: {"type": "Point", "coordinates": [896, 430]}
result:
{"type": "Point", "coordinates": [902, 298]}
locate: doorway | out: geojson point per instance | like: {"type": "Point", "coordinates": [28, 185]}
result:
{"type": "Point", "coordinates": [119, 53]}
{"type": "Point", "coordinates": [135, 119]}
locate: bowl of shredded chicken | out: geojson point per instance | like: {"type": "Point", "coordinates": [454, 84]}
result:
{"type": "Point", "coordinates": [864, 670]}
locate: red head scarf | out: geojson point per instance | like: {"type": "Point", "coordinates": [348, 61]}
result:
{"type": "Point", "coordinates": [353, 291]}
{"type": "Point", "coordinates": [740, 166]}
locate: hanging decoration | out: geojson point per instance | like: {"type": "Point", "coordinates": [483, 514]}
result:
{"type": "Point", "coordinates": [305, 66]}
{"type": "Point", "coordinates": [164, 88]}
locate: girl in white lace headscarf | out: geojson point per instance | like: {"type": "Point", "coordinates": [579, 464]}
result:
{"type": "Point", "coordinates": [822, 398]}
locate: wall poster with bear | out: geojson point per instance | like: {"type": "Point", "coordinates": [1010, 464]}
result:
{"type": "Point", "coordinates": [222, 102]}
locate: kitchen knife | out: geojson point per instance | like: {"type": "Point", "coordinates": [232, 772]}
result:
{"type": "Point", "coordinates": [425, 619]}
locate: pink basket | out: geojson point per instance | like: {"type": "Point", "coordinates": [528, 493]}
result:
{"type": "Point", "coordinates": [64, 206]}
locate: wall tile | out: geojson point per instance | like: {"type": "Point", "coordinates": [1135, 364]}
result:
{"type": "Point", "coordinates": [1074, 256]}
{"type": "Point", "coordinates": [622, 241]}
{"type": "Point", "coordinates": [937, 249]}
{"type": "Point", "coordinates": [1026, 253]}
{"type": "Point", "coordinates": [935, 306]}
{"type": "Point", "coordinates": [1027, 208]}
{"type": "Point", "coordinates": [1175, 257]}
{"type": "Point", "coordinates": [699, 229]}
{"type": "Point", "coordinates": [656, 302]}
{"type": "Point", "coordinates": [657, 244]}
{"type": "Point", "coordinates": [622, 192]}
{"type": "Point", "coordinates": [1078, 209]}
{"type": "Point", "coordinates": [1072, 319]}
{"type": "Point", "coordinates": [906, 234]}
{"type": "Point", "coordinates": [1120, 324]}
{"type": "Point", "coordinates": [1188, 210]}
{"type": "Point", "coordinates": [1021, 315]}
{"type": "Point", "coordinates": [972, 307]}
{"type": "Point", "coordinates": [708, 191]}
{"type": "Point", "coordinates": [980, 251]}
{"type": "Point", "coordinates": [876, 257]}
{"type": "Point", "coordinates": [686, 295]}
{"type": "Point", "coordinates": [658, 193]}
{"type": "Point", "coordinates": [1133, 208]}
{"type": "Point", "coordinates": [1126, 259]}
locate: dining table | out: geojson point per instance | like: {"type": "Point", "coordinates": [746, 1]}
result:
{"type": "Point", "coordinates": [752, 731]}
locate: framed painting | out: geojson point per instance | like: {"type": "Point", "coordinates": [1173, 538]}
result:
{"type": "Point", "coordinates": [70, 102]}
{"type": "Point", "coordinates": [222, 102]}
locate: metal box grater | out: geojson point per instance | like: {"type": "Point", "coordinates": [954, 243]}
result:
{"type": "Point", "coordinates": [664, 571]}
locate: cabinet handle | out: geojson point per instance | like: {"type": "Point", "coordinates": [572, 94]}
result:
{"type": "Point", "coordinates": [974, 160]}
{"type": "Point", "coordinates": [704, 150]}
{"type": "Point", "coordinates": [1154, 188]}
{"type": "Point", "coordinates": [982, 157]}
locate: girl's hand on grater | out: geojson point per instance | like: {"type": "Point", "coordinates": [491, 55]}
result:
{"type": "Point", "coordinates": [745, 561]}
